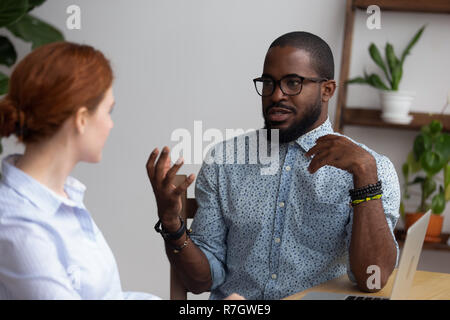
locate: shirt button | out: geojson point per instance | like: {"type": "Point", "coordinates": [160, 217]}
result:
{"type": "Point", "coordinates": [288, 168]}
{"type": "Point", "coordinates": [274, 276]}
{"type": "Point", "coordinates": [277, 240]}
{"type": "Point", "coordinates": [281, 204]}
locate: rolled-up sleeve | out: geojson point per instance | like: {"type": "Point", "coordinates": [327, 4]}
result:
{"type": "Point", "coordinates": [208, 228]}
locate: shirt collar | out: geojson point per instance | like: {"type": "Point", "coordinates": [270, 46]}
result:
{"type": "Point", "coordinates": [308, 140]}
{"type": "Point", "coordinates": [39, 194]}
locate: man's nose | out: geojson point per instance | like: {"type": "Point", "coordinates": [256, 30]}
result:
{"type": "Point", "coordinates": [278, 94]}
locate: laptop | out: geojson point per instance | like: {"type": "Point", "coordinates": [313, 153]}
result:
{"type": "Point", "coordinates": [406, 268]}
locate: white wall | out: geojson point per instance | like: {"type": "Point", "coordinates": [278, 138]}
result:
{"type": "Point", "coordinates": [178, 61]}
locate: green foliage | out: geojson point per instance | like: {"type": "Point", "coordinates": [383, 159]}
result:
{"type": "Point", "coordinates": [34, 30]}
{"type": "Point", "coordinates": [11, 11]}
{"type": "Point", "coordinates": [392, 68]}
{"type": "Point", "coordinates": [15, 17]}
{"type": "Point", "coordinates": [430, 156]}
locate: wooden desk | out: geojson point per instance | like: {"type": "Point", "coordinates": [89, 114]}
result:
{"type": "Point", "coordinates": [426, 286]}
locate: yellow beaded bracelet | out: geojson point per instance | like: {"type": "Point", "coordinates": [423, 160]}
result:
{"type": "Point", "coordinates": [355, 202]}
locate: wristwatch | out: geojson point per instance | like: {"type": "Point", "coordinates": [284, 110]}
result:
{"type": "Point", "coordinates": [171, 236]}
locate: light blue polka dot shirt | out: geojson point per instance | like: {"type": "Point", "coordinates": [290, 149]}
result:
{"type": "Point", "coordinates": [267, 236]}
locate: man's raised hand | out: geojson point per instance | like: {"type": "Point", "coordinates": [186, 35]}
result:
{"type": "Point", "coordinates": [167, 194]}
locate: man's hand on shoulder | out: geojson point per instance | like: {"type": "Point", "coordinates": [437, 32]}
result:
{"type": "Point", "coordinates": [340, 152]}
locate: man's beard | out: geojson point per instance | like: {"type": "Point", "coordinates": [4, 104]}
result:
{"type": "Point", "coordinates": [299, 127]}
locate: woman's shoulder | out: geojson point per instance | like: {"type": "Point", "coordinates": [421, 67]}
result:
{"type": "Point", "coordinates": [21, 223]}
{"type": "Point", "coordinates": [13, 204]}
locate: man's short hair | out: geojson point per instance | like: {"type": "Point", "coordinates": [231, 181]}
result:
{"type": "Point", "coordinates": [321, 56]}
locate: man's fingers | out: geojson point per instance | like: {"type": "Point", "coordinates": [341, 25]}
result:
{"type": "Point", "coordinates": [173, 171]}
{"type": "Point", "coordinates": [184, 185]}
{"type": "Point", "coordinates": [318, 161]}
{"type": "Point", "coordinates": [161, 165]}
{"type": "Point", "coordinates": [151, 164]}
{"type": "Point", "coordinates": [318, 147]}
{"type": "Point", "coordinates": [322, 143]}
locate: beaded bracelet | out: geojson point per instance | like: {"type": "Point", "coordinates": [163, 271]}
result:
{"type": "Point", "coordinates": [184, 245]}
{"type": "Point", "coordinates": [358, 201]}
{"type": "Point", "coordinates": [365, 191]}
{"type": "Point", "coordinates": [178, 249]}
{"type": "Point", "coordinates": [366, 195]}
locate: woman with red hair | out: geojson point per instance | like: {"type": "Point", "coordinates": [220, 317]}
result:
{"type": "Point", "coordinates": [59, 103]}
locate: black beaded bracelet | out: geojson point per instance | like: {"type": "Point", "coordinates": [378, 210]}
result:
{"type": "Point", "coordinates": [365, 195]}
{"type": "Point", "coordinates": [371, 189]}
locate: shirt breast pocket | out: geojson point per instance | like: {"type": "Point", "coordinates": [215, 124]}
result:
{"type": "Point", "coordinates": [323, 225]}
{"type": "Point", "coordinates": [328, 213]}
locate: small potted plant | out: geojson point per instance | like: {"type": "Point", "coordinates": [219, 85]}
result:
{"type": "Point", "coordinates": [424, 166]}
{"type": "Point", "coordinates": [395, 103]}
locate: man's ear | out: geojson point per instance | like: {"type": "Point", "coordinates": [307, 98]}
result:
{"type": "Point", "coordinates": [81, 119]}
{"type": "Point", "coordinates": [328, 89]}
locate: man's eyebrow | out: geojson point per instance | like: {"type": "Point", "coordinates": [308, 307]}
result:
{"type": "Point", "coordinates": [292, 75]}
{"type": "Point", "coordinates": [286, 75]}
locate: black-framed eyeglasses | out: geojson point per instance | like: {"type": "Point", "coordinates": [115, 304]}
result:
{"type": "Point", "coordinates": [290, 85]}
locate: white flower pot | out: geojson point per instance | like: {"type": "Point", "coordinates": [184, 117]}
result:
{"type": "Point", "coordinates": [395, 106]}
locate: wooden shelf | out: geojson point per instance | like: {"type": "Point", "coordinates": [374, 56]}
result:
{"type": "Point", "coordinates": [363, 117]}
{"type": "Point", "coordinates": [430, 6]}
{"type": "Point", "coordinates": [400, 235]}
{"type": "Point", "coordinates": [372, 118]}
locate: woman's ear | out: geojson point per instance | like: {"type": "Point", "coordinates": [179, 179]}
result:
{"type": "Point", "coordinates": [81, 119]}
{"type": "Point", "coordinates": [328, 90]}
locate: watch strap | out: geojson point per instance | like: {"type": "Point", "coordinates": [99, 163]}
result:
{"type": "Point", "coordinates": [171, 236]}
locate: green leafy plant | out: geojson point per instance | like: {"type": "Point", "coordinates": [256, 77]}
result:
{"type": "Point", "coordinates": [16, 18]}
{"type": "Point", "coordinates": [392, 67]}
{"type": "Point", "coordinates": [429, 157]}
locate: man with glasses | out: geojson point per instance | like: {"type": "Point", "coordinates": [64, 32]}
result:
{"type": "Point", "coordinates": [330, 209]}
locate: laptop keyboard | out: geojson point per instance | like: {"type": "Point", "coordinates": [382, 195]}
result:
{"type": "Point", "coordinates": [364, 298]}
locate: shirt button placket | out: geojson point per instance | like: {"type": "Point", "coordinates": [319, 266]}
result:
{"type": "Point", "coordinates": [285, 182]}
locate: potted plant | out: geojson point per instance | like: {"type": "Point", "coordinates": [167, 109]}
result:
{"type": "Point", "coordinates": [395, 103]}
{"type": "Point", "coordinates": [15, 17]}
{"type": "Point", "coordinates": [428, 165]}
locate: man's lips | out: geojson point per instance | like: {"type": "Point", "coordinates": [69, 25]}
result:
{"type": "Point", "coordinates": [279, 114]}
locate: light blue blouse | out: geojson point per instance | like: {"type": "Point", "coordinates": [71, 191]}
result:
{"type": "Point", "coordinates": [50, 247]}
